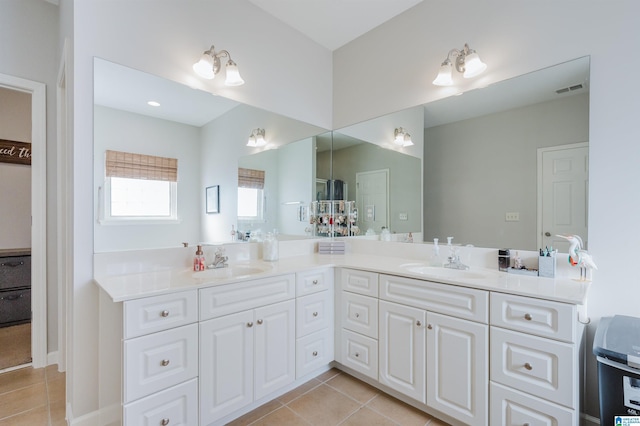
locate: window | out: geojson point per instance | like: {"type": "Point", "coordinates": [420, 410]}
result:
{"type": "Point", "coordinates": [251, 204]}
{"type": "Point", "coordinates": [139, 188]}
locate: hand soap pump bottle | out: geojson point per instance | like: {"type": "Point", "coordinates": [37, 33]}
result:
{"type": "Point", "coordinates": [198, 261]}
{"type": "Point", "coordinates": [435, 257]}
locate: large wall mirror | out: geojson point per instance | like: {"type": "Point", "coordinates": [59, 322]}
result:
{"type": "Point", "coordinates": [489, 167]}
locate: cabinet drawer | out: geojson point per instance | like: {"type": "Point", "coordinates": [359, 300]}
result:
{"type": "Point", "coordinates": [15, 271]}
{"type": "Point", "coordinates": [176, 406]}
{"type": "Point", "coordinates": [159, 361]}
{"type": "Point", "coordinates": [360, 314]}
{"type": "Point", "coordinates": [361, 282]}
{"type": "Point", "coordinates": [313, 351]}
{"type": "Point", "coordinates": [540, 317]}
{"type": "Point", "coordinates": [512, 408]}
{"type": "Point", "coordinates": [227, 299]}
{"type": "Point", "coordinates": [360, 353]}
{"type": "Point", "coordinates": [157, 313]}
{"type": "Point", "coordinates": [538, 366]}
{"type": "Point", "coordinates": [313, 313]}
{"type": "Point", "coordinates": [461, 302]}
{"type": "Point", "coordinates": [313, 281]}
{"type": "Point", "coordinates": [15, 306]}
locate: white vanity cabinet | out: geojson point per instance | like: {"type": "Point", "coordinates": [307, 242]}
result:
{"type": "Point", "coordinates": [314, 320]}
{"type": "Point", "coordinates": [535, 361]}
{"type": "Point", "coordinates": [247, 348]}
{"type": "Point", "coordinates": [149, 360]}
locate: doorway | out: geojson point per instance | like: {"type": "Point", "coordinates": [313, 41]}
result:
{"type": "Point", "coordinates": [24, 248]}
{"type": "Point", "coordinates": [372, 200]}
{"type": "Point", "coordinates": [563, 180]}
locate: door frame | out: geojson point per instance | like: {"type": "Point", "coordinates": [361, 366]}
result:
{"type": "Point", "coordinates": [38, 213]}
{"type": "Point", "coordinates": [541, 151]}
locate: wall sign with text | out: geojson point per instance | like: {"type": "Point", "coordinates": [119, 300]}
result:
{"type": "Point", "coordinates": [15, 152]}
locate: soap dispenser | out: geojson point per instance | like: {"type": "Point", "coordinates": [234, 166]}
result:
{"type": "Point", "coordinates": [198, 260]}
{"type": "Point", "coordinates": [435, 257]}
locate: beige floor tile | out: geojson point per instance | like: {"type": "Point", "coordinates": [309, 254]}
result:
{"type": "Point", "coordinates": [398, 411]}
{"type": "Point", "coordinates": [324, 406]}
{"type": "Point", "coordinates": [256, 414]}
{"type": "Point", "coordinates": [23, 399]}
{"type": "Point", "coordinates": [35, 417]}
{"type": "Point", "coordinates": [299, 391]}
{"type": "Point", "coordinates": [365, 416]}
{"type": "Point", "coordinates": [436, 422]}
{"type": "Point", "coordinates": [57, 410]}
{"type": "Point", "coordinates": [52, 372]}
{"type": "Point", "coordinates": [328, 375]}
{"type": "Point", "coordinates": [354, 388]}
{"type": "Point", "coordinates": [21, 378]}
{"type": "Point", "coordinates": [56, 389]}
{"type": "Point", "coordinates": [281, 417]}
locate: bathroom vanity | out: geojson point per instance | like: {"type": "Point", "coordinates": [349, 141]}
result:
{"type": "Point", "coordinates": [470, 347]}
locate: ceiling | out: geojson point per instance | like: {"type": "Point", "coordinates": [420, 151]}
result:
{"type": "Point", "coordinates": [334, 23]}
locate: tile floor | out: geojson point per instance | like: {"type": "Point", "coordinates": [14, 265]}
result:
{"type": "Point", "coordinates": [32, 397]}
{"type": "Point", "coordinates": [335, 398]}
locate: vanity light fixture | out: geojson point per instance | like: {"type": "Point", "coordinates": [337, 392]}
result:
{"type": "Point", "coordinates": [209, 65]}
{"type": "Point", "coordinates": [402, 138]}
{"type": "Point", "coordinates": [257, 138]}
{"type": "Point", "coordinates": [467, 62]}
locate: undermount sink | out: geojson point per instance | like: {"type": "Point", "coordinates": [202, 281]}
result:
{"type": "Point", "coordinates": [231, 271]}
{"type": "Point", "coordinates": [434, 271]}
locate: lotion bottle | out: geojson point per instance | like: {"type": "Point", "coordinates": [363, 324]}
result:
{"type": "Point", "coordinates": [198, 261]}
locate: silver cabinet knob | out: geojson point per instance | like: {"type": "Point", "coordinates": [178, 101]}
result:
{"type": "Point", "coordinates": [357, 315]}
{"type": "Point", "coordinates": [546, 234]}
{"type": "Point", "coordinates": [250, 324]}
{"type": "Point", "coordinates": [164, 422]}
{"type": "Point", "coordinates": [418, 323]}
{"type": "Point", "coordinates": [528, 366]}
{"type": "Point", "coordinates": [528, 317]}
{"type": "Point", "coordinates": [315, 314]}
{"type": "Point", "coordinates": [165, 362]}
{"type": "Point", "coordinates": [429, 326]}
{"type": "Point", "coordinates": [315, 353]}
{"type": "Point", "coordinates": [164, 313]}
{"type": "Point", "coordinates": [357, 355]}
{"type": "Point", "coordinates": [260, 322]}
{"type": "Point", "coordinates": [315, 282]}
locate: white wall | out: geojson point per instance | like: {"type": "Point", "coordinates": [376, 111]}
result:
{"type": "Point", "coordinates": [124, 131]}
{"type": "Point", "coordinates": [29, 30]}
{"type": "Point", "coordinates": [514, 38]}
{"type": "Point", "coordinates": [15, 179]}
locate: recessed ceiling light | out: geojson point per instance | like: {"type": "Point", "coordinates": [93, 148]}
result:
{"type": "Point", "coordinates": [154, 103]}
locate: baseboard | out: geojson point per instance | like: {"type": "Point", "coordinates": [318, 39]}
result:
{"type": "Point", "coordinates": [52, 358]}
{"type": "Point", "coordinates": [90, 419]}
{"type": "Point", "coordinates": [588, 420]}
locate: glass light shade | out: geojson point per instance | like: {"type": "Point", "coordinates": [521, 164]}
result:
{"type": "Point", "coordinates": [204, 67]}
{"type": "Point", "coordinates": [444, 75]}
{"type": "Point", "coordinates": [260, 141]}
{"type": "Point", "coordinates": [407, 140]}
{"type": "Point", "coordinates": [473, 66]}
{"type": "Point", "coordinates": [233, 75]}
{"type": "Point", "coordinates": [252, 141]}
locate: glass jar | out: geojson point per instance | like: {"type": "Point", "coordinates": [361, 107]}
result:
{"type": "Point", "coordinates": [270, 248]}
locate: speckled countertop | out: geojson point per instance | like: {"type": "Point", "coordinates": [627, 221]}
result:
{"type": "Point", "coordinates": [137, 285]}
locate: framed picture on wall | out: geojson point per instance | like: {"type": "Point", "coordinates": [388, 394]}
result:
{"type": "Point", "coordinates": [213, 199]}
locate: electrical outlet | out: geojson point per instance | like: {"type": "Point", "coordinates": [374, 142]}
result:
{"type": "Point", "coordinates": [403, 216]}
{"type": "Point", "coordinates": [512, 216]}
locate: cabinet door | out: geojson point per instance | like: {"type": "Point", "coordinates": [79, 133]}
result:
{"type": "Point", "coordinates": [275, 345]}
{"type": "Point", "coordinates": [226, 365]}
{"type": "Point", "coordinates": [457, 368]}
{"type": "Point", "coordinates": [402, 350]}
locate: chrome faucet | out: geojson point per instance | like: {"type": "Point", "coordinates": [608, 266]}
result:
{"type": "Point", "coordinates": [454, 257]}
{"type": "Point", "coordinates": [220, 260]}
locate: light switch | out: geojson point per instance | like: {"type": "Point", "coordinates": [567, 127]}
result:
{"type": "Point", "coordinates": [403, 216]}
{"type": "Point", "coordinates": [512, 216]}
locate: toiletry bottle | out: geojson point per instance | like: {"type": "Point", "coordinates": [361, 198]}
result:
{"type": "Point", "coordinates": [435, 257]}
{"type": "Point", "coordinates": [233, 233]}
{"type": "Point", "coordinates": [198, 261]}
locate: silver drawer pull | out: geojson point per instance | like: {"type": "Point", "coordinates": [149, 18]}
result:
{"type": "Point", "coordinates": [315, 282]}
{"type": "Point", "coordinates": [315, 353]}
{"type": "Point", "coordinates": [528, 317]}
{"type": "Point", "coordinates": [357, 315]}
{"type": "Point", "coordinates": [164, 422]}
{"type": "Point", "coordinates": [528, 366]}
{"type": "Point", "coordinates": [260, 321]}
{"type": "Point", "coordinates": [165, 362]}
{"type": "Point", "coordinates": [164, 313]}
{"type": "Point", "coordinates": [357, 355]}
{"type": "Point", "coordinates": [250, 324]}
{"type": "Point", "coordinates": [12, 264]}
{"type": "Point", "coordinates": [315, 314]}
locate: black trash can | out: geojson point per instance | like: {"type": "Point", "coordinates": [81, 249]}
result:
{"type": "Point", "coordinates": [617, 348]}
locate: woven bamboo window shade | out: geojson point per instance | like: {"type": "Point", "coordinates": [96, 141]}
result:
{"type": "Point", "coordinates": [250, 178]}
{"type": "Point", "coordinates": [139, 166]}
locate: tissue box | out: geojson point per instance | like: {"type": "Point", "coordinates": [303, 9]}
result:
{"type": "Point", "coordinates": [547, 266]}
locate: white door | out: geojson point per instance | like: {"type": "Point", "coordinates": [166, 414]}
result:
{"type": "Point", "coordinates": [563, 191]}
{"type": "Point", "coordinates": [275, 338]}
{"type": "Point", "coordinates": [402, 350]}
{"type": "Point", "coordinates": [226, 365]}
{"type": "Point", "coordinates": [372, 200]}
{"type": "Point", "coordinates": [458, 368]}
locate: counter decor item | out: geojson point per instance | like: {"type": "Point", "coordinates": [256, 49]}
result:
{"type": "Point", "coordinates": [547, 263]}
{"type": "Point", "coordinates": [578, 256]}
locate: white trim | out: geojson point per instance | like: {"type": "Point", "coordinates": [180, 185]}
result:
{"type": "Point", "coordinates": [590, 420]}
{"type": "Point", "coordinates": [53, 359]}
{"type": "Point", "coordinates": [38, 213]}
